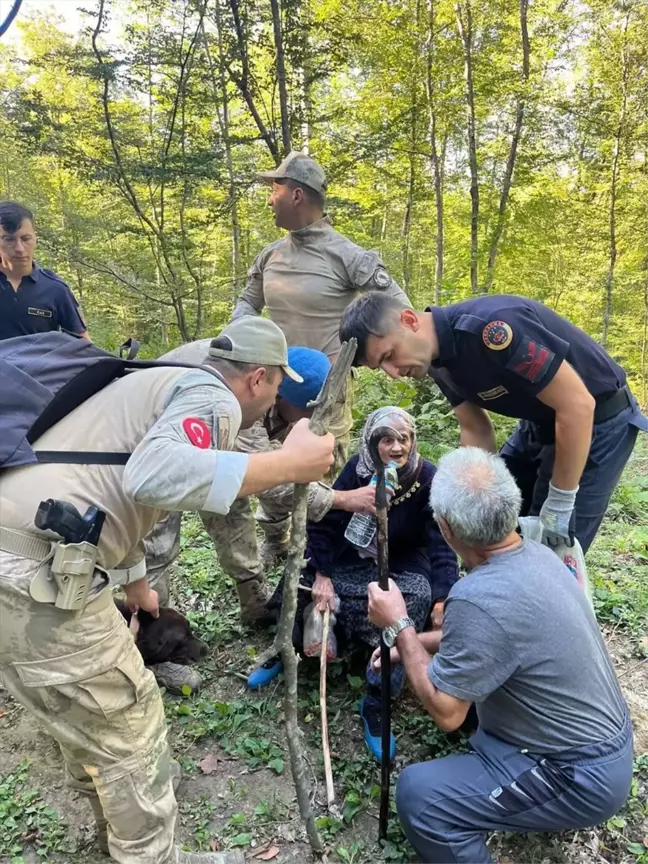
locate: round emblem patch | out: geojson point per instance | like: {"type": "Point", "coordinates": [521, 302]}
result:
{"type": "Point", "coordinates": [497, 335]}
{"type": "Point", "coordinates": [197, 432]}
{"type": "Point", "coordinates": [381, 278]}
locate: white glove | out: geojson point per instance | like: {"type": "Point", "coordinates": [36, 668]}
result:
{"type": "Point", "coordinates": [555, 515]}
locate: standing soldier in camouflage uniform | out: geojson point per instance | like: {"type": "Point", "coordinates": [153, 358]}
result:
{"type": "Point", "coordinates": [234, 534]}
{"type": "Point", "coordinates": [306, 280]}
{"type": "Point", "coordinates": [79, 673]}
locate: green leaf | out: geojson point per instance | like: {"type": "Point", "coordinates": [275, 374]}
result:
{"type": "Point", "coordinates": [277, 765]}
{"type": "Point", "coordinates": [242, 839]}
{"type": "Point", "coordinates": [238, 819]}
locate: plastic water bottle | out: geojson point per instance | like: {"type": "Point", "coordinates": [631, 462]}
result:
{"type": "Point", "coordinates": [361, 529]}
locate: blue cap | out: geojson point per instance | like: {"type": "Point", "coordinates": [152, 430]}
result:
{"type": "Point", "coordinates": [313, 366]}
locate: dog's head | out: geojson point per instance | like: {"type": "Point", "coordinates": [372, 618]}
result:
{"type": "Point", "coordinates": [167, 638]}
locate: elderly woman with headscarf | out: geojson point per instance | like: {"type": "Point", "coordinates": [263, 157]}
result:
{"type": "Point", "coordinates": [420, 561]}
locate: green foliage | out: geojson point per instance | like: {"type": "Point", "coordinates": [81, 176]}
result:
{"type": "Point", "coordinates": [618, 560]}
{"type": "Point", "coordinates": [26, 820]}
{"type": "Point", "coordinates": [240, 727]}
{"type": "Point", "coordinates": [156, 218]}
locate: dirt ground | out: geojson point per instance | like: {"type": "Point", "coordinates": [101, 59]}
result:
{"type": "Point", "coordinates": [248, 801]}
{"type": "Point", "coordinates": [236, 788]}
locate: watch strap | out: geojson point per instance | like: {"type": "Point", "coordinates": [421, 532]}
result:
{"type": "Point", "coordinates": [390, 633]}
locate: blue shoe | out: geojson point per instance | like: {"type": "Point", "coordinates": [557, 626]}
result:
{"type": "Point", "coordinates": [370, 713]}
{"type": "Point", "coordinates": [263, 675]}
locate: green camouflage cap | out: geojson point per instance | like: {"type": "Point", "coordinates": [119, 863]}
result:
{"type": "Point", "coordinates": [300, 168]}
{"type": "Point", "coordinates": [255, 340]}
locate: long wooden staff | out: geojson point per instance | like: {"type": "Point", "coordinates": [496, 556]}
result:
{"type": "Point", "coordinates": [385, 657]}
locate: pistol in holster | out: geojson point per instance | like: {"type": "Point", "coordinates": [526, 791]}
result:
{"type": "Point", "coordinates": [75, 556]}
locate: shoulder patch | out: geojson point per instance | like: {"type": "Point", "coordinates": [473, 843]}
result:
{"type": "Point", "coordinates": [531, 360]}
{"type": "Point", "coordinates": [497, 335]}
{"type": "Point", "coordinates": [381, 278]}
{"type": "Point", "coordinates": [197, 432]}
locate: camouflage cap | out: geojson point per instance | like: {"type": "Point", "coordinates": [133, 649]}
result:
{"type": "Point", "coordinates": [254, 340]}
{"type": "Point", "coordinates": [300, 168]}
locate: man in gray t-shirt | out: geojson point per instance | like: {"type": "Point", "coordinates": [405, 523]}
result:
{"type": "Point", "coordinates": [554, 745]}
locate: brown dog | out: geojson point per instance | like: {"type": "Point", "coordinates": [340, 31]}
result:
{"type": "Point", "coordinates": [167, 638]}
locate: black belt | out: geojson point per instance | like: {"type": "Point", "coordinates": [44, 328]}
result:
{"type": "Point", "coordinates": [613, 405]}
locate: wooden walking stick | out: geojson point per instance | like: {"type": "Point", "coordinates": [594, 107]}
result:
{"type": "Point", "coordinates": [323, 407]}
{"type": "Point", "coordinates": [326, 750]}
{"type": "Point", "coordinates": [385, 657]}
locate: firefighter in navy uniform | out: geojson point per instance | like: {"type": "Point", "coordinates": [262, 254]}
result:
{"type": "Point", "coordinates": [578, 420]}
{"type": "Point", "coordinates": [32, 299]}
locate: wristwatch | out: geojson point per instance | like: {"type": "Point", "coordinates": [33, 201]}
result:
{"type": "Point", "coordinates": [389, 634]}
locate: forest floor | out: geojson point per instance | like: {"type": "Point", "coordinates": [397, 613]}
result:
{"type": "Point", "coordinates": [243, 797]}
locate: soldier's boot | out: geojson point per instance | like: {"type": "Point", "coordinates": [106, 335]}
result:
{"type": "Point", "coordinates": [174, 677]}
{"type": "Point", "coordinates": [253, 597]}
{"type": "Point", "coordinates": [175, 772]}
{"type": "Point", "coordinates": [207, 857]}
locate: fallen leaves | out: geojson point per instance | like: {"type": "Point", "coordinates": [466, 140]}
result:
{"type": "Point", "coordinates": [209, 764]}
{"type": "Point", "coordinates": [268, 853]}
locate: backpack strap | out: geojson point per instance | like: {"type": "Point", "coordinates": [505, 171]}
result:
{"type": "Point", "coordinates": [88, 457]}
{"type": "Point", "coordinates": [80, 457]}
{"type": "Point", "coordinates": [128, 349]}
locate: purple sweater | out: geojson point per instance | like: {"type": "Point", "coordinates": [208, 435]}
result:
{"type": "Point", "coordinates": [415, 542]}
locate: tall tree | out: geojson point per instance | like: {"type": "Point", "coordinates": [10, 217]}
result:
{"type": "Point", "coordinates": [464, 24]}
{"type": "Point", "coordinates": [521, 101]}
{"type": "Point", "coordinates": [281, 75]}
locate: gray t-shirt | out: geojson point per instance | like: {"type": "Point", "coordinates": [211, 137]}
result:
{"type": "Point", "coordinates": [520, 640]}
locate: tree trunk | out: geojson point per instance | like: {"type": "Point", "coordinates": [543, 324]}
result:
{"type": "Point", "coordinates": [464, 25]}
{"type": "Point", "coordinates": [281, 76]}
{"type": "Point", "coordinates": [223, 122]}
{"type": "Point", "coordinates": [644, 343]}
{"type": "Point", "coordinates": [306, 80]}
{"type": "Point", "coordinates": [614, 182]}
{"type": "Point", "coordinates": [436, 163]}
{"type": "Point", "coordinates": [242, 81]}
{"type": "Point", "coordinates": [515, 141]}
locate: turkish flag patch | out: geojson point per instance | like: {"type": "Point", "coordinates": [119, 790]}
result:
{"type": "Point", "coordinates": [531, 360]}
{"type": "Point", "coordinates": [197, 432]}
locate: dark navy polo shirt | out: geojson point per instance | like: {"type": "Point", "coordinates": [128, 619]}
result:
{"type": "Point", "coordinates": [500, 351]}
{"type": "Point", "coordinates": [42, 302]}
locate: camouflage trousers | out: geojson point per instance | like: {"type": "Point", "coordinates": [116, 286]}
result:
{"type": "Point", "coordinates": [83, 679]}
{"type": "Point", "coordinates": [234, 535]}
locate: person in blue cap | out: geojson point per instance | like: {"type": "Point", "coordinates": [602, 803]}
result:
{"type": "Point", "coordinates": [234, 535]}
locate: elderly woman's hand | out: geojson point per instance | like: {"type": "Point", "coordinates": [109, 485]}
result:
{"type": "Point", "coordinates": [323, 593]}
{"type": "Point", "coordinates": [375, 658]}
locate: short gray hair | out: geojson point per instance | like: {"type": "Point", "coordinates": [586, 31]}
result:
{"type": "Point", "coordinates": [476, 494]}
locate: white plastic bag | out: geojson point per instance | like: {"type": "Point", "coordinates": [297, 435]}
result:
{"type": "Point", "coordinates": [571, 556]}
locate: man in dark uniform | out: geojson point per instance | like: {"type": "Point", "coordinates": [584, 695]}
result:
{"type": "Point", "coordinates": [32, 299]}
{"type": "Point", "coordinates": [512, 355]}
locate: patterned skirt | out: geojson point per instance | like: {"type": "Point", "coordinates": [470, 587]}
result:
{"type": "Point", "coordinates": [351, 583]}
